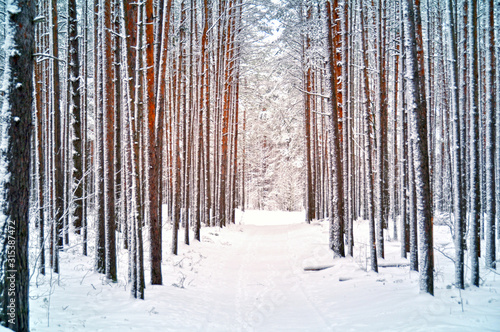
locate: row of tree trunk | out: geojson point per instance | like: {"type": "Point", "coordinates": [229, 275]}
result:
{"type": "Point", "coordinates": [141, 114]}
{"type": "Point", "coordinates": [412, 135]}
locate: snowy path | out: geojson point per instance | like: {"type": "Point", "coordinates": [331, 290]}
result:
{"type": "Point", "coordinates": [266, 289]}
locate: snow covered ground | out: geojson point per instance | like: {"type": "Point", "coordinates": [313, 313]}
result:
{"type": "Point", "coordinates": [251, 277]}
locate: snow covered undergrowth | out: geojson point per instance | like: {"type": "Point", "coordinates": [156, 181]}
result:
{"type": "Point", "coordinates": [251, 276]}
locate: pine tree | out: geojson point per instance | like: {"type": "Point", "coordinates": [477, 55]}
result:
{"type": "Point", "coordinates": [337, 187]}
{"type": "Point", "coordinates": [76, 110]}
{"type": "Point", "coordinates": [418, 127]}
{"type": "Point", "coordinates": [108, 147]}
{"type": "Point", "coordinates": [490, 198]}
{"type": "Point", "coordinates": [57, 229]}
{"type": "Point", "coordinates": [458, 208]}
{"type": "Point", "coordinates": [15, 127]}
{"type": "Point", "coordinates": [381, 124]}
{"type": "Point", "coordinates": [310, 199]}
{"type": "Point", "coordinates": [367, 124]}
{"type": "Point", "coordinates": [475, 207]}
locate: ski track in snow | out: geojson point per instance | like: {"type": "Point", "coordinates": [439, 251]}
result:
{"type": "Point", "coordinates": [273, 297]}
{"type": "Point", "coordinates": [250, 277]}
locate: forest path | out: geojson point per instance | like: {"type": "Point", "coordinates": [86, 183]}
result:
{"type": "Point", "coordinates": [262, 274]}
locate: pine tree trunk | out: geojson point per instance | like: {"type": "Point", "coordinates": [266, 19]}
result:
{"type": "Point", "coordinates": [41, 145]}
{"type": "Point", "coordinates": [412, 202]}
{"type": "Point", "coordinates": [381, 122]}
{"type": "Point", "coordinates": [206, 71]}
{"type": "Point", "coordinates": [58, 151]}
{"type": "Point", "coordinates": [337, 187]}
{"type": "Point", "coordinates": [100, 258]}
{"type": "Point", "coordinates": [367, 119]}
{"type": "Point", "coordinates": [15, 160]}
{"type": "Point", "coordinates": [85, 151]}
{"type": "Point", "coordinates": [475, 207]}
{"type": "Point", "coordinates": [76, 112]}
{"type": "Point", "coordinates": [418, 127]}
{"type": "Point", "coordinates": [458, 206]}
{"type": "Point", "coordinates": [108, 148]}
{"type": "Point", "coordinates": [310, 199]}
{"type": "Point", "coordinates": [119, 174]}
{"type": "Point", "coordinates": [153, 42]}
{"type": "Point", "coordinates": [497, 93]}
{"type": "Point", "coordinates": [490, 111]}
{"type": "Point", "coordinates": [395, 208]}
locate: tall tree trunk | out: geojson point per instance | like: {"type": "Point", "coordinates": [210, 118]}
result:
{"type": "Point", "coordinates": [475, 202]}
{"type": "Point", "coordinates": [132, 15]}
{"type": "Point", "coordinates": [412, 207]}
{"type": "Point", "coordinates": [100, 247]}
{"type": "Point", "coordinates": [41, 143]}
{"type": "Point", "coordinates": [310, 199]}
{"type": "Point", "coordinates": [458, 206]}
{"type": "Point", "coordinates": [381, 124]}
{"type": "Point", "coordinates": [108, 134]}
{"type": "Point", "coordinates": [490, 91]}
{"type": "Point", "coordinates": [418, 123]}
{"type": "Point", "coordinates": [206, 73]}
{"type": "Point", "coordinates": [58, 150]}
{"type": "Point", "coordinates": [367, 119]}
{"type": "Point", "coordinates": [497, 94]}
{"type": "Point", "coordinates": [75, 104]}
{"type": "Point", "coordinates": [337, 187]}
{"type": "Point", "coordinates": [393, 182]}
{"type": "Point", "coordinates": [85, 150]}
{"type": "Point", "coordinates": [119, 174]}
{"type": "Point", "coordinates": [226, 110]}
{"type": "Point", "coordinates": [403, 174]}
{"type": "Point", "coordinates": [153, 43]}
{"type": "Point", "coordinates": [346, 127]}
{"type": "Point", "coordinates": [15, 161]}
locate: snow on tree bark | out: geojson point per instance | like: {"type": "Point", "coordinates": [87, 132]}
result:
{"type": "Point", "coordinates": [367, 119]}
{"type": "Point", "coordinates": [58, 151]}
{"type": "Point", "coordinates": [458, 206]}
{"type": "Point", "coordinates": [475, 201]}
{"type": "Point", "coordinates": [347, 129]}
{"type": "Point", "coordinates": [108, 153]}
{"type": "Point", "coordinates": [412, 207]}
{"type": "Point", "coordinates": [381, 151]}
{"type": "Point", "coordinates": [15, 132]}
{"type": "Point", "coordinates": [490, 92]}
{"type": "Point", "coordinates": [337, 187]}
{"type": "Point", "coordinates": [154, 33]}
{"type": "Point", "coordinates": [310, 199]}
{"type": "Point", "coordinates": [403, 118]}
{"type": "Point", "coordinates": [497, 93]}
{"type": "Point", "coordinates": [75, 107]}
{"type": "Point", "coordinates": [100, 247]}
{"type": "Point", "coordinates": [418, 129]}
